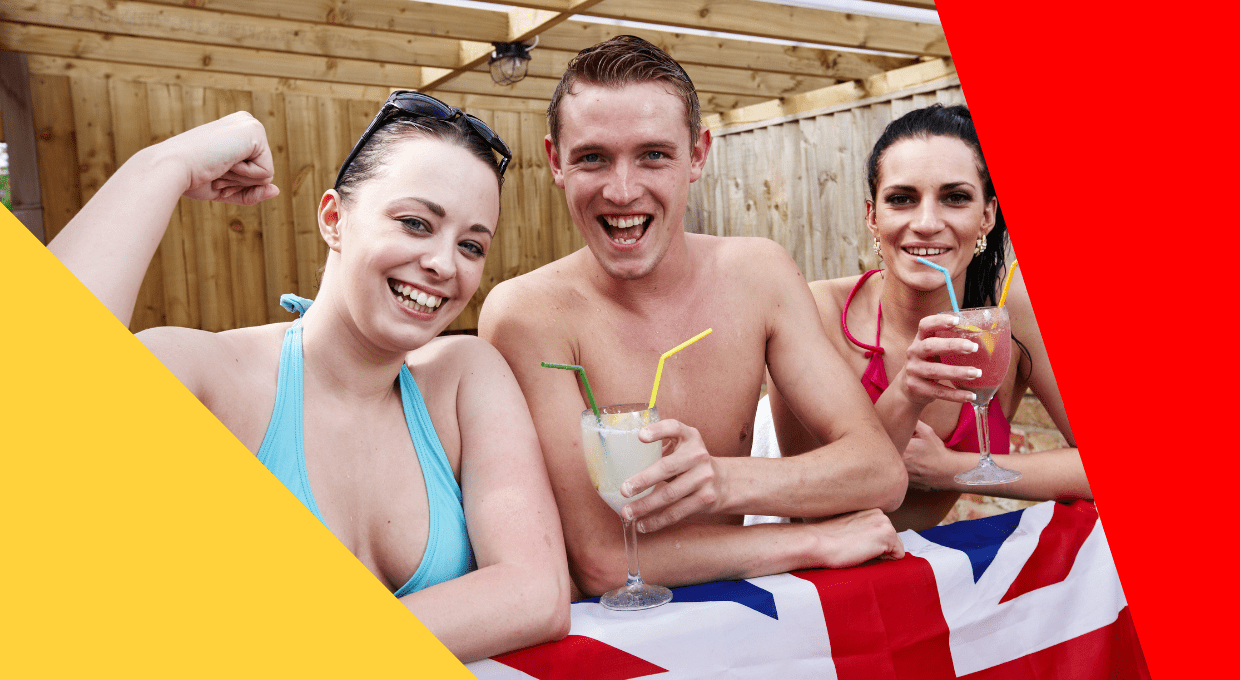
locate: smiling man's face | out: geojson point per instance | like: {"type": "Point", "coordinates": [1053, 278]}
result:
{"type": "Point", "coordinates": [625, 163]}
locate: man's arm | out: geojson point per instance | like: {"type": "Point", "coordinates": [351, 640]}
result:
{"type": "Point", "coordinates": [520, 323]}
{"type": "Point", "coordinates": [857, 468]}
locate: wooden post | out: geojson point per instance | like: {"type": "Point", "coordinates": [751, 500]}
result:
{"type": "Point", "coordinates": [16, 111]}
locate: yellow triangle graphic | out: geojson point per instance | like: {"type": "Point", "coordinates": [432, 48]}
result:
{"type": "Point", "coordinates": [140, 537]}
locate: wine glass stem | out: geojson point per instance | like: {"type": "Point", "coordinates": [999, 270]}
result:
{"type": "Point", "coordinates": [981, 415]}
{"type": "Point", "coordinates": [630, 552]}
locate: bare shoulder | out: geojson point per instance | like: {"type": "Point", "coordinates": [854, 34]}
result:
{"type": "Point", "coordinates": [758, 264]}
{"type": "Point", "coordinates": [745, 253]}
{"type": "Point", "coordinates": [532, 312]}
{"type": "Point", "coordinates": [215, 363]}
{"type": "Point", "coordinates": [555, 279]}
{"type": "Point", "coordinates": [459, 357]}
{"type": "Point", "coordinates": [831, 294]}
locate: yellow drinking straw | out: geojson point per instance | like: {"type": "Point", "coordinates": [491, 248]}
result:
{"type": "Point", "coordinates": [658, 374]}
{"type": "Point", "coordinates": [1008, 284]}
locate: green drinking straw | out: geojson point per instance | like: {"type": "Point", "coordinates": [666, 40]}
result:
{"type": "Point", "coordinates": [584, 380]}
{"type": "Point", "coordinates": [951, 290]}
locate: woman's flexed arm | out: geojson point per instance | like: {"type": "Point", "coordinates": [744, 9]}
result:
{"type": "Point", "coordinates": [109, 243]}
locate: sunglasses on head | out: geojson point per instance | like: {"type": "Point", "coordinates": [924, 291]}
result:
{"type": "Point", "coordinates": [418, 105]}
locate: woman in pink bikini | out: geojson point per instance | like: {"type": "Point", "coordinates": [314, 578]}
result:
{"type": "Point", "coordinates": [931, 197]}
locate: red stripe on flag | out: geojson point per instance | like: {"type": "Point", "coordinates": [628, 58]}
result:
{"type": "Point", "coordinates": [577, 656]}
{"type": "Point", "coordinates": [884, 621]}
{"type": "Point", "coordinates": [1057, 547]}
{"type": "Point", "coordinates": [1111, 652]}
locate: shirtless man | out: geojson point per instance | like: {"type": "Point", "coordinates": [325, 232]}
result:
{"type": "Point", "coordinates": [625, 144]}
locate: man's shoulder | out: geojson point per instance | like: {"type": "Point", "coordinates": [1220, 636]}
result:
{"type": "Point", "coordinates": [738, 246]}
{"type": "Point", "coordinates": [746, 256]}
{"type": "Point", "coordinates": [529, 293]}
{"type": "Point", "coordinates": [526, 306]}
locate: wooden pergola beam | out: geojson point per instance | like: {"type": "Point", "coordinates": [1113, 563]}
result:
{"type": "Point", "coordinates": [212, 27]}
{"type": "Point", "coordinates": [62, 42]}
{"type": "Point", "coordinates": [886, 83]}
{"type": "Point", "coordinates": [551, 64]}
{"type": "Point", "coordinates": [771, 20]}
{"type": "Point", "coordinates": [687, 49]}
{"type": "Point", "coordinates": [440, 48]}
{"type": "Point", "coordinates": [919, 4]}
{"type": "Point", "coordinates": [442, 58]}
{"type": "Point", "coordinates": [484, 26]}
{"type": "Point", "coordinates": [523, 25]}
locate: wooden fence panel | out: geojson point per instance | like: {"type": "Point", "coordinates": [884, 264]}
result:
{"type": "Point", "coordinates": [278, 236]}
{"type": "Point", "coordinates": [55, 143]}
{"type": "Point", "coordinates": [129, 103]}
{"type": "Point", "coordinates": [178, 254]}
{"type": "Point", "coordinates": [799, 181]}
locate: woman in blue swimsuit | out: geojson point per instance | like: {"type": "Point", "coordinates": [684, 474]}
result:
{"type": "Point", "coordinates": [417, 452]}
{"type": "Point", "coordinates": [932, 197]}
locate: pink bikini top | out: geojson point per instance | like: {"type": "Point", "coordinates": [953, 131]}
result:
{"type": "Point", "coordinates": [874, 379]}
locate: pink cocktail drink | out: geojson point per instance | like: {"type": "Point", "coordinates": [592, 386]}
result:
{"type": "Point", "coordinates": [990, 328]}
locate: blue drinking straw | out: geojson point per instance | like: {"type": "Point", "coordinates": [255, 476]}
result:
{"type": "Point", "coordinates": [951, 290]}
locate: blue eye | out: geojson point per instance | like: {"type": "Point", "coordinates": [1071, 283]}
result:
{"type": "Point", "coordinates": [590, 158]}
{"type": "Point", "coordinates": [656, 155]}
{"type": "Point", "coordinates": [473, 248]}
{"type": "Point", "coordinates": [415, 224]}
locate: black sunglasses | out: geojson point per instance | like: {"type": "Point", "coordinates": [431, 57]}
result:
{"type": "Point", "coordinates": [418, 105]}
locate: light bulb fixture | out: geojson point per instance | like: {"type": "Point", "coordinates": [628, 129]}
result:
{"type": "Point", "coordinates": [510, 61]}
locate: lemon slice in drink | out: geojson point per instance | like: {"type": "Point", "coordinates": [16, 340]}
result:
{"type": "Point", "coordinates": [987, 339]}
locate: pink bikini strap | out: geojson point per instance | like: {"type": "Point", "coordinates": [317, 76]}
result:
{"type": "Point", "coordinates": [874, 349]}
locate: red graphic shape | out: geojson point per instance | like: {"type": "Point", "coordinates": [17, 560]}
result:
{"type": "Point", "coordinates": [1057, 547]}
{"type": "Point", "coordinates": [884, 621]}
{"type": "Point", "coordinates": [1111, 652]}
{"type": "Point", "coordinates": [577, 656]}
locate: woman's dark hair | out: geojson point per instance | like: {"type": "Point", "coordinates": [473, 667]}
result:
{"type": "Point", "coordinates": [983, 274]}
{"type": "Point", "coordinates": [367, 162]}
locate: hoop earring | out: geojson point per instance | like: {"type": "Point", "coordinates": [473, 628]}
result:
{"type": "Point", "coordinates": [981, 245]}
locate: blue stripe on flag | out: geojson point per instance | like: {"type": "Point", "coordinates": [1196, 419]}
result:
{"type": "Point", "coordinates": [741, 592]}
{"type": "Point", "coordinates": [979, 539]}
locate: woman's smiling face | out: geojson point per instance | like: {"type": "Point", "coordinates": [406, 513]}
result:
{"type": "Point", "coordinates": [929, 203]}
{"type": "Point", "coordinates": [412, 241]}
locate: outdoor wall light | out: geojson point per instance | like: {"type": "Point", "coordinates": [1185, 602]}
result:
{"type": "Point", "coordinates": [510, 61]}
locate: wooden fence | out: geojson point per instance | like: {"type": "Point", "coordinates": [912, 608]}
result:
{"type": "Point", "coordinates": [222, 267]}
{"type": "Point", "coordinates": [796, 180]}
{"type": "Point", "coordinates": [800, 180]}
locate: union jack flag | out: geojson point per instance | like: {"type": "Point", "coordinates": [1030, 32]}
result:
{"type": "Point", "coordinates": [1028, 594]}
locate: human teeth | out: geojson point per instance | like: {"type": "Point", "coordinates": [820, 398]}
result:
{"type": "Point", "coordinates": [421, 298]}
{"type": "Point", "coordinates": [625, 222]}
{"type": "Point", "coordinates": [432, 301]}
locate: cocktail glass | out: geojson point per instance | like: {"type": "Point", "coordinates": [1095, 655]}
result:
{"type": "Point", "coordinates": [991, 329]}
{"type": "Point", "coordinates": [613, 454]}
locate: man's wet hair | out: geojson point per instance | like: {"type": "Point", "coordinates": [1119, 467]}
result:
{"type": "Point", "coordinates": [625, 60]}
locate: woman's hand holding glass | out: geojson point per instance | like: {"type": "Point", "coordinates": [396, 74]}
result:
{"type": "Point", "coordinates": [922, 378]}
